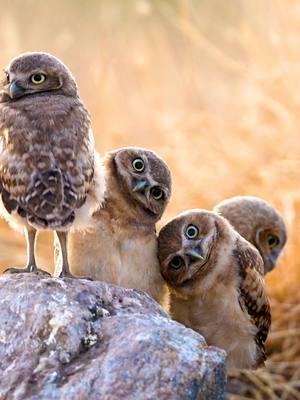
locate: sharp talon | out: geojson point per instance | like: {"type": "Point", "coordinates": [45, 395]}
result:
{"type": "Point", "coordinates": [26, 270]}
{"type": "Point", "coordinates": [17, 270]}
{"type": "Point", "coordinates": [69, 275]}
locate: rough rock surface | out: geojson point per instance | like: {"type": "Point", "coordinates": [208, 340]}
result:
{"type": "Point", "coordinates": [74, 339]}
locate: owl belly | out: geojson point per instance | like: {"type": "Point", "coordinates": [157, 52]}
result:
{"type": "Point", "coordinates": [235, 334]}
{"type": "Point", "coordinates": [94, 253]}
{"type": "Point", "coordinates": [140, 268]}
{"type": "Point", "coordinates": [128, 262]}
{"type": "Point", "coordinates": [219, 318]}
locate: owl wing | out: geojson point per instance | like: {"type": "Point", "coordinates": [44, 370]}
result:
{"type": "Point", "coordinates": [56, 192]}
{"type": "Point", "coordinates": [14, 177]}
{"type": "Point", "coordinates": [46, 186]}
{"type": "Point", "coordinates": [253, 297]}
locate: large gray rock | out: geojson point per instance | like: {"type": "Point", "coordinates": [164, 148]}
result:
{"type": "Point", "coordinates": [74, 339]}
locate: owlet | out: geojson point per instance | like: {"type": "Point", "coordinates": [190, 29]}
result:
{"type": "Point", "coordinates": [259, 223]}
{"type": "Point", "coordinates": [121, 248]}
{"type": "Point", "coordinates": [50, 175]}
{"type": "Point", "coordinates": [216, 285]}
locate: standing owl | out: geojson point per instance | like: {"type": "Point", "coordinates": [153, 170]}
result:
{"type": "Point", "coordinates": [122, 246]}
{"type": "Point", "coordinates": [216, 285]}
{"type": "Point", "coordinates": [48, 173]}
{"type": "Point", "coordinates": [259, 223]}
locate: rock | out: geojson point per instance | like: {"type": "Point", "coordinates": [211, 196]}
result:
{"type": "Point", "coordinates": [75, 339]}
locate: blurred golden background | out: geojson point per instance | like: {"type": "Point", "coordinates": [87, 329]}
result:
{"type": "Point", "coordinates": [210, 85]}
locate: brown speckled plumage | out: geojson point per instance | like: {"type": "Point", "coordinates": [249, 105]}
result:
{"type": "Point", "coordinates": [47, 156]}
{"type": "Point", "coordinates": [256, 220]}
{"type": "Point", "coordinates": [253, 297]}
{"type": "Point", "coordinates": [216, 284]}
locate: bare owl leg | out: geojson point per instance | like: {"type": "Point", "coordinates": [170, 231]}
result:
{"type": "Point", "coordinates": [65, 268]}
{"type": "Point", "coordinates": [30, 234]}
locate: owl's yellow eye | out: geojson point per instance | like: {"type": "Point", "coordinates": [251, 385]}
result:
{"type": "Point", "coordinates": [191, 232]}
{"type": "Point", "coordinates": [37, 79]}
{"type": "Point", "coordinates": [157, 193]}
{"type": "Point", "coordinates": [273, 241]}
{"type": "Point", "coordinates": [138, 164]}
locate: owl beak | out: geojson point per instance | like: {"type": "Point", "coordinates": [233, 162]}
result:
{"type": "Point", "coordinates": [195, 253]}
{"type": "Point", "coordinates": [139, 186]}
{"type": "Point", "coordinates": [270, 262]}
{"type": "Point", "coordinates": [15, 91]}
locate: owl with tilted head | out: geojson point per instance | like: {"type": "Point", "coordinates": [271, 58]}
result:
{"type": "Point", "coordinates": [216, 284]}
{"type": "Point", "coordinates": [121, 247]}
{"type": "Point", "coordinates": [259, 223]}
{"type": "Point", "coordinates": [50, 175]}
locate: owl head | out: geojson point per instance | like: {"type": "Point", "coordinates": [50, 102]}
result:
{"type": "Point", "coordinates": [32, 74]}
{"type": "Point", "coordinates": [142, 179]}
{"type": "Point", "coordinates": [259, 223]}
{"type": "Point", "coordinates": [190, 245]}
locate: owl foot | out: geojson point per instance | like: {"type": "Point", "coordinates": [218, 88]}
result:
{"type": "Point", "coordinates": [29, 269]}
{"type": "Point", "coordinates": [69, 275]}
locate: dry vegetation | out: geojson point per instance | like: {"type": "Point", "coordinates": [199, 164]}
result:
{"type": "Point", "coordinates": [213, 87]}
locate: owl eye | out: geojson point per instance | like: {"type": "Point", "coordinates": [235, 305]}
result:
{"type": "Point", "coordinates": [191, 232]}
{"type": "Point", "coordinates": [176, 262]}
{"type": "Point", "coordinates": [37, 79]}
{"type": "Point", "coordinates": [138, 164]}
{"type": "Point", "coordinates": [273, 241]}
{"type": "Point", "coordinates": [157, 193]}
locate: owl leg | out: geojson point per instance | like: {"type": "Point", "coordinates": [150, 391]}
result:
{"type": "Point", "coordinates": [30, 234]}
{"type": "Point", "coordinates": [65, 269]}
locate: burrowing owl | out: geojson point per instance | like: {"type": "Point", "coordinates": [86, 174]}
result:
{"type": "Point", "coordinates": [48, 177]}
{"type": "Point", "coordinates": [122, 246]}
{"type": "Point", "coordinates": [216, 282]}
{"type": "Point", "coordinates": [259, 223]}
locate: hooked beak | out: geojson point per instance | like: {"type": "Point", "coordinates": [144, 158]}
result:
{"type": "Point", "coordinates": [15, 91]}
{"type": "Point", "coordinates": [270, 262]}
{"type": "Point", "coordinates": [140, 185]}
{"type": "Point", "coordinates": [195, 253]}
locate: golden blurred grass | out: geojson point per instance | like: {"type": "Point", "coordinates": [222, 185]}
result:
{"type": "Point", "coordinates": [212, 86]}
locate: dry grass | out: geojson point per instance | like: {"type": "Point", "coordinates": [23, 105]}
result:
{"type": "Point", "coordinates": [213, 87]}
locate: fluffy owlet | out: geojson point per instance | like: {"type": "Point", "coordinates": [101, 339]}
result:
{"type": "Point", "coordinates": [259, 223]}
{"type": "Point", "coordinates": [47, 157]}
{"type": "Point", "coordinates": [216, 285]}
{"type": "Point", "coordinates": [122, 246]}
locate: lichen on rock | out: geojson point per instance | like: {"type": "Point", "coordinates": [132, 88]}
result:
{"type": "Point", "coordinates": [77, 339]}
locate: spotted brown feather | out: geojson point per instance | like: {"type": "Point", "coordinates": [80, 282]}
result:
{"type": "Point", "coordinates": [253, 297]}
{"type": "Point", "coordinates": [49, 174]}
